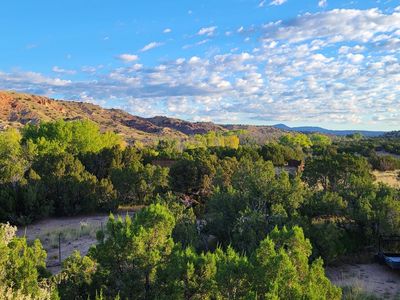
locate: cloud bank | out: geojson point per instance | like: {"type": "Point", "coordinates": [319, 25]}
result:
{"type": "Point", "coordinates": [340, 66]}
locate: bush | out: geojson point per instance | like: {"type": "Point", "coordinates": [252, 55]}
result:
{"type": "Point", "coordinates": [21, 267]}
{"type": "Point", "coordinates": [385, 163]}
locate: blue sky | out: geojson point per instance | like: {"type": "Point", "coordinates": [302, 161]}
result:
{"type": "Point", "coordinates": [315, 62]}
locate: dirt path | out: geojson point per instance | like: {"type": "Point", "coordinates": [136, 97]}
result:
{"type": "Point", "coordinates": [373, 278]}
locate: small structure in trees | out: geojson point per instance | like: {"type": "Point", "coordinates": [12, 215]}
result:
{"type": "Point", "coordinates": [389, 251]}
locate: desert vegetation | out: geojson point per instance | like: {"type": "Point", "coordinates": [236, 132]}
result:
{"type": "Point", "coordinates": [217, 218]}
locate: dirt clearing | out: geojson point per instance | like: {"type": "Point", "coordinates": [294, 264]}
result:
{"type": "Point", "coordinates": [75, 233]}
{"type": "Point", "coordinates": [391, 178]}
{"type": "Point", "coordinates": [373, 278]}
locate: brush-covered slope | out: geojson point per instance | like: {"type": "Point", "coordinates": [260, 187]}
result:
{"type": "Point", "coordinates": [17, 110]}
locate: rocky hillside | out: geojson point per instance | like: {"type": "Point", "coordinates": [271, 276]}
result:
{"type": "Point", "coordinates": [18, 109]}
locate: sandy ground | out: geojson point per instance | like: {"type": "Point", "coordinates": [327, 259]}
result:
{"type": "Point", "coordinates": [389, 177]}
{"type": "Point", "coordinates": [372, 278]}
{"type": "Point", "coordinates": [75, 239]}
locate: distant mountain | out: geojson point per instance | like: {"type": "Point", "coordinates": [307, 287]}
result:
{"type": "Point", "coordinates": [309, 129]}
{"type": "Point", "coordinates": [17, 109]}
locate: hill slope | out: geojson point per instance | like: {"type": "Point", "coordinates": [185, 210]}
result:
{"type": "Point", "coordinates": [18, 109]}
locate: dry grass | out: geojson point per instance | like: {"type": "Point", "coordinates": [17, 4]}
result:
{"type": "Point", "coordinates": [77, 233]}
{"type": "Point", "coordinates": [129, 208]}
{"type": "Point", "coordinates": [388, 177]}
{"type": "Point", "coordinates": [69, 234]}
{"type": "Point", "coordinates": [366, 281]}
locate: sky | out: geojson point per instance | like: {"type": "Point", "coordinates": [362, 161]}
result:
{"type": "Point", "coordinates": [327, 63]}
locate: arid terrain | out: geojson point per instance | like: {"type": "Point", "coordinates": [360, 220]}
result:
{"type": "Point", "coordinates": [372, 278]}
{"type": "Point", "coordinates": [17, 110]}
{"type": "Point", "coordinates": [77, 233]}
{"type": "Point", "coordinates": [390, 178]}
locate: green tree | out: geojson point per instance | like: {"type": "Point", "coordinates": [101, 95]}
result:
{"type": "Point", "coordinates": [21, 267]}
{"type": "Point", "coordinates": [193, 175]}
{"type": "Point", "coordinates": [74, 137]}
{"type": "Point", "coordinates": [280, 154]}
{"type": "Point", "coordinates": [233, 275]}
{"type": "Point", "coordinates": [295, 140]}
{"type": "Point", "coordinates": [168, 149]}
{"type": "Point", "coordinates": [248, 230]}
{"type": "Point", "coordinates": [320, 140]}
{"type": "Point", "coordinates": [337, 172]}
{"type": "Point", "coordinates": [70, 188]}
{"type": "Point", "coordinates": [12, 159]}
{"type": "Point", "coordinates": [187, 275]}
{"type": "Point", "coordinates": [282, 270]}
{"type": "Point", "coordinates": [76, 277]}
{"type": "Point", "coordinates": [224, 171]}
{"type": "Point", "coordinates": [138, 184]}
{"type": "Point", "coordinates": [130, 253]}
{"type": "Point", "coordinates": [273, 152]}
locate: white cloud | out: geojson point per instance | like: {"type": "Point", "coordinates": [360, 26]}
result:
{"type": "Point", "coordinates": [262, 3]}
{"type": "Point", "coordinates": [340, 66]}
{"type": "Point", "coordinates": [355, 58]}
{"type": "Point", "coordinates": [347, 49]}
{"type": "Point", "coordinates": [57, 69]}
{"type": "Point", "coordinates": [277, 2]}
{"type": "Point", "coordinates": [25, 80]}
{"type": "Point", "coordinates": [150, 46]}
{"type": "Point", "coordinates": [202, 42]}
{"type": "Point", "coordinates": [88, 69]}
{"type": "Point", "coordinates": [337, 24]}
{"type": "Point", "coordinates": [208, 31]}
{"type": "Point", "coordinates": [128, 57]}
{"type": "Point", "coordinates": [323, 3]}
{"type": "Point", "coordinates": [167, 30]}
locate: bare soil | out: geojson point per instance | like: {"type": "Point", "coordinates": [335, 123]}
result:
{"type": "Point", "coordinates": [389, 177]}
{"type": "Point", "coordinates": [78, 233]}
{"type": "Point", "coordinates": [371, 278]}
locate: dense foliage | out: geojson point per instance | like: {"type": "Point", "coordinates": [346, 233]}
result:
{"type": "Point", "coordinates": [221, 220]}
{"type": "Point", "coordinates": [138, 259]}
{"type": "Point", "coordinates": [22, 268]}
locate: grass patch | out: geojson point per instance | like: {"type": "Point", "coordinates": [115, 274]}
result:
{"type": "Point", "coordinates": [130, 208]}
{"type": "Point", "coordinates": [356, 293]}
{"type": "Point", "coordinates": [69, 234]}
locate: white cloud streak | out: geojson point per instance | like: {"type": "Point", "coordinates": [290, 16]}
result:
{"type": "Point", "coordinates": [322, 3]}
{"type": "Point", "coordinates": [57, 69]}
{"type": "Point", "coordinates": [150, 46]}
{"type": "Point", "coordinates": [277, 2]}
{"type": "Point", "coordinates": [128, 57]}
{"type": "Point", "coordinates": [208, 31]}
